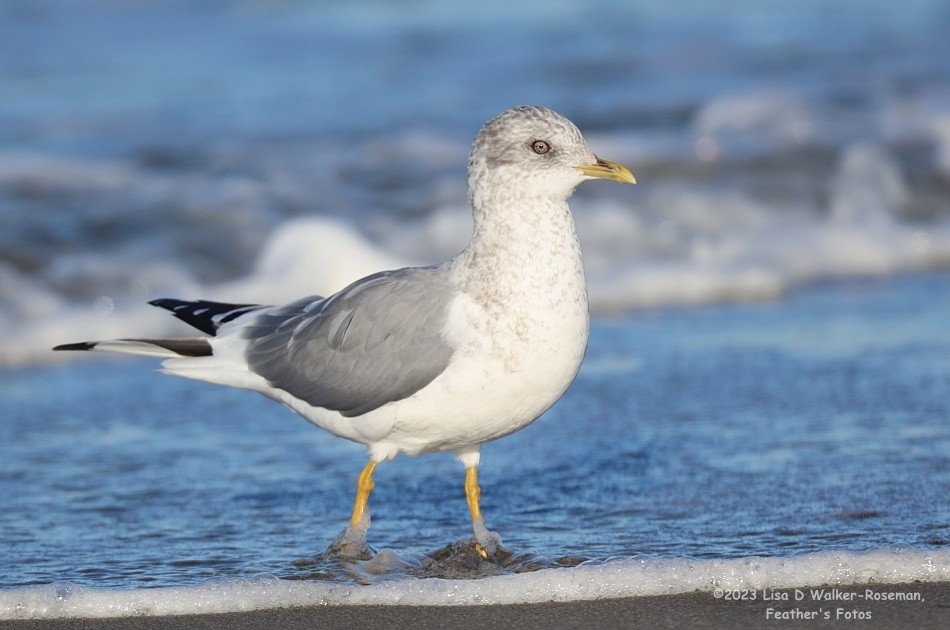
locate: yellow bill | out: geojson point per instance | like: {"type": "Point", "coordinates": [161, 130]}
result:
{"type": "Point", "coordinates": [605, 169]}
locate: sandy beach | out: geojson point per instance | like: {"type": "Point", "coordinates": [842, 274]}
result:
{"type": "Point", "coordinates": [919, 605]}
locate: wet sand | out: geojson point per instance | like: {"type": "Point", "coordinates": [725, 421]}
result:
{"type": "Point", "coordinates": [921, 605]}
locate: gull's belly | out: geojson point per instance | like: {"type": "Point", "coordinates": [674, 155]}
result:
{"type": "Point", "coordinates": [504, 375]}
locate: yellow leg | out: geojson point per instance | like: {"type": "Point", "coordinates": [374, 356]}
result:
{"type": "Point", "coordinates": [363, 487]}
{"type": "Point", "coordinates": [474, 494]}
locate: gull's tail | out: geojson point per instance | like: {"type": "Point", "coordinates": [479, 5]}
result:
{"type": "Point", "coordinates": [204, 315]}
{"type": "Point", "coordinates": [166, 348]}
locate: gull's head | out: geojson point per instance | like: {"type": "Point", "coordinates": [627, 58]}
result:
{"type": "Point", "coordinates": [534, 152]}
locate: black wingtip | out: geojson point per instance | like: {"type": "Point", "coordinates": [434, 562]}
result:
{"type": "Point", "coordinates": [204, 315]}
{"type": "Point", "coordinates": [82, 345]}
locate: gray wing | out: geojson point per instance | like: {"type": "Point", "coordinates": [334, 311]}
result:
{"type": "Point", "coordinates": [376, 341]}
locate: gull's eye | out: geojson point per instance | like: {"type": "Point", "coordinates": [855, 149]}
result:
{"type": "Point", "coordinates": [540, 147]}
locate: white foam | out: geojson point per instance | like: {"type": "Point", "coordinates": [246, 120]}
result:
{"type": "Point", "coordinates": [776, 116]}
{"type": "Point", "coordinates": [629, 577]}
{"type": "Point", "coordinates": [699, 248]}
{"type": "Point", "coordinates": [34, 318]}
{"type": "Point", "coordinates": [307, 256]}
{"type": "Point", "coordinates": [301, 257]}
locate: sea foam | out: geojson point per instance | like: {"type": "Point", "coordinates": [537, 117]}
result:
{"type": "Point", "coordinates": [628, 577]}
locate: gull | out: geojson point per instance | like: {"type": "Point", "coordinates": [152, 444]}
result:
{"type": "Point", "coordinates": [426, 359]}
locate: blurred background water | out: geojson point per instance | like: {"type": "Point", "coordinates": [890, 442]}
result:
{"type": "Point", "coordinates": [260, 150]}
{"type": "Point", "coordinates": [792, 157]}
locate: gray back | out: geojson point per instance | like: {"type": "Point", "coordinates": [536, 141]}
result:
{"type": "Point", "coordinates": [376, 341]}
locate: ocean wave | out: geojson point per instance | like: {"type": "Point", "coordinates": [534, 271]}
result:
{"type": "Point", "coordinates": [683, 247]}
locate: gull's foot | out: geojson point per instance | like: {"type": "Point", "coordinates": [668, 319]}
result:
{"type": "Point", "coordinates": [338, 563]}
{"type": "Point", "coordinates": [487, 543]}
{"type": "Point", "coordinates": [462, 561]}
{"type": "Point", "coordinates": [348, 557]}
{"type": "Point", "coordinates": [351, 543]}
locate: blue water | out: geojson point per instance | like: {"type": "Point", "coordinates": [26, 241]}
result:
{"type": "Point", "coordinates": [105, 77]}
{"type": "Point", "coordinates": [153, 148]}
{"type": "Point", "coordinates": [816, 423]}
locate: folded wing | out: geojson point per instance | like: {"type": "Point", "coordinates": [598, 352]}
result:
{"type": "Point", "coordinates": [377, 341]}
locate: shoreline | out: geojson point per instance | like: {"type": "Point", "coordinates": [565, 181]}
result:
{"type": "Point", "coordinates": [918, 604]}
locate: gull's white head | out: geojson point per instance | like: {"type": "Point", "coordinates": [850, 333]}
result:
{"type": "Point", "coordinates": [536, 153]}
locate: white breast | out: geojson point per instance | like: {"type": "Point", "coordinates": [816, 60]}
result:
{"type": "Point", "coordinates": [520, 328]}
